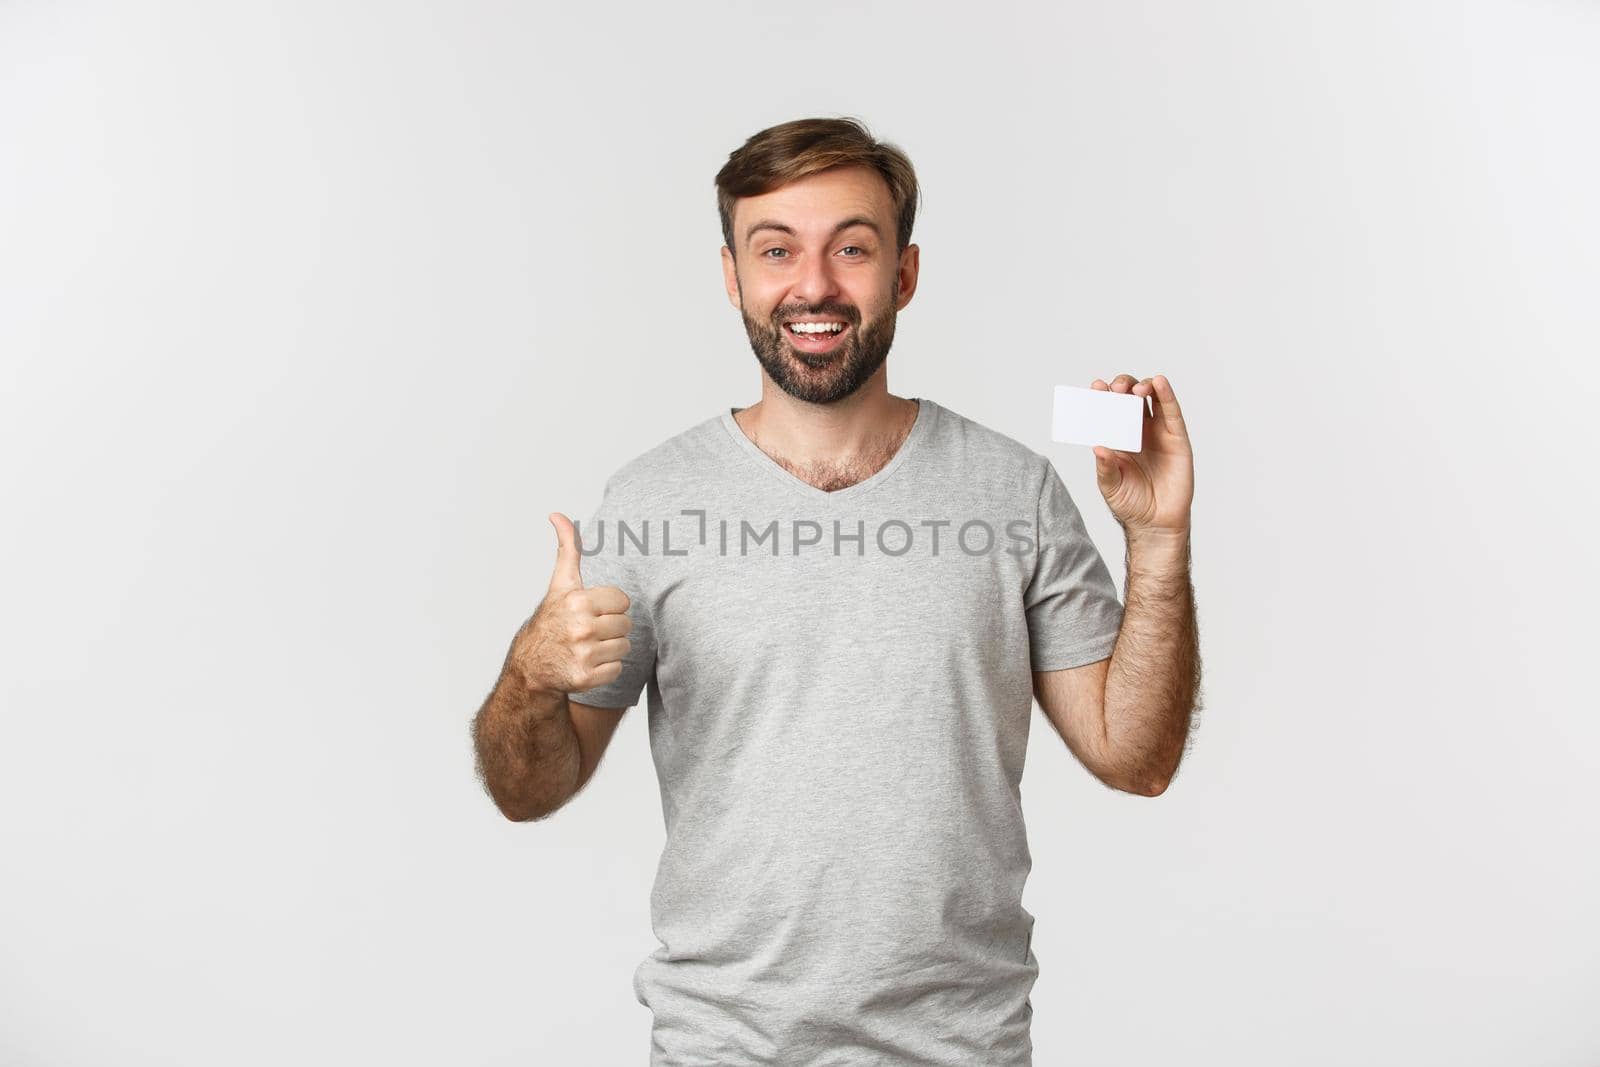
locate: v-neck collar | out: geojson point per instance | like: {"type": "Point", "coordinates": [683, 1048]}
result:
{"type": "Point", "coordinates": [927, 411]}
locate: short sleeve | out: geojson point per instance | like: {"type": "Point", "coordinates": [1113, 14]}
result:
{"type": "Point", "coordinates": [1073, 611]}
{"type": "Point", "coordinates": [601, 564]}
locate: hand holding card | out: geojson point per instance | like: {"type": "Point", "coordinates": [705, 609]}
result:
{"type": "Point", "coordinates": [1142, 459]}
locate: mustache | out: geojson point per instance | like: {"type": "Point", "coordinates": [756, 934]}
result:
{"type": "Point", "coordinates": [844, 314]}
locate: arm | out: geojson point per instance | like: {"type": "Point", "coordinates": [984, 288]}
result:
{"type": "Point", "coordinates": [535, 747]}
{"type": "Point", "coordinates": [1127, 718]}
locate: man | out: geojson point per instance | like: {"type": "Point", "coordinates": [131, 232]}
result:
{"type": "Point", "coordinates": [843, 603]}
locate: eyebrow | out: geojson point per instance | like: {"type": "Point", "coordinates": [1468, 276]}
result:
{"type": "Point", "coordinates": [772, 224]}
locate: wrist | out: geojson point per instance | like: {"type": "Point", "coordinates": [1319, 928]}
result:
{"type": "Point", "coordinates": [527, 694]}
{"type": "Point", "coordinates": [1168, 538]}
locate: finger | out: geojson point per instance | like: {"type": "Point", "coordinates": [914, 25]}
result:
{"type": "Point", "coordinates": [1167, 409]}
{"type": "Point", "coordinates": [606, 627]}
{"type": "Point", "coordinates": [605, 674]}
{"type": "Point", "coordinates": [608, 600]}
{"type": "Point", "coordinates": [1098, 384]}
{"type": "Point", "coordinates": [1123, 383]}
{"type": "Point", "coordinates": [611, 651]}
{"type": "Point", "coordinates": [1143, 389]}
{"type": "Point", "coordinates": [567, 574]}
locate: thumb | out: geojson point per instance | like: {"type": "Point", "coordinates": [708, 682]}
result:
{"type": "Point", "coordinates": [566, 574]}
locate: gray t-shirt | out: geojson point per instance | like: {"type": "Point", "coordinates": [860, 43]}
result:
{"type": "Point", "coordinates": [840, 695]}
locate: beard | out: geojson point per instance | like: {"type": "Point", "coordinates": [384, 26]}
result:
{"type": "Point", "coordinates": [828, 377]}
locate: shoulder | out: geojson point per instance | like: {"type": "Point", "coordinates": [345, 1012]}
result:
{"type": "Point", "coordinates": [664, 468]}
{"type": "Point", "coordinates": [1002, 458]}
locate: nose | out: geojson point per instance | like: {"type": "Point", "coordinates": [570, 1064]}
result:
{"type": "Point", "coordinates": [816, 281]}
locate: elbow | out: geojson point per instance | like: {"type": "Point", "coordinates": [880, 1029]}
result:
{"type": "Point", "coordinates": [522, 808]}
{"type": "Point", "coordinates": [1139, 787]}
{"type": "Point", "coordinates": [1149, 785]}
{"type": "Point", "coordinates": [515, 814]}
{"type": "Point", "coordinates": [1145, 778]}
{"type": "Point", "coordinates": [525, 814]}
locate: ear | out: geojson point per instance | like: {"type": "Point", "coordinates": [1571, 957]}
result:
{"type": "Point", "coordinates": [730, 280]}
{"type": "Point", "coordinates": [905, 279]}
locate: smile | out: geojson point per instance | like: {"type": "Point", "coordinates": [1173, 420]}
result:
{"type": "Point", "coordinates": [816, 336]}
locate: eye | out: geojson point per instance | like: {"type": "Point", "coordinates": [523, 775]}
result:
{"type": "Point", "coordinates": [768, 253]}
{"type": "Point", "coordinates": [858, 248]}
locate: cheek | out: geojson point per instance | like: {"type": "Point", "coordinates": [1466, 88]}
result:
{"type": "Point", "coordinates": [882, 297]}
{"type": "Point", "coordinates": [878, 307]}
{"type": "Point", "coordinates": [764, 304]}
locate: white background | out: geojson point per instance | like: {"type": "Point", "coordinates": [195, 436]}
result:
{"type": "Point", "coordinates": [310, 313]}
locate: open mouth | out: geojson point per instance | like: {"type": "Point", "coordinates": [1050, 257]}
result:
{"type": "Point", "coordinates": [817, 336]}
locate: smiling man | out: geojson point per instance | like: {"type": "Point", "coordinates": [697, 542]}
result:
{"type": "Point", "coordinates": [843, 604]}
{"type": "Point", "coordinates": [825, 264]}
{"type": "Point", "coordinates": [817, 347]}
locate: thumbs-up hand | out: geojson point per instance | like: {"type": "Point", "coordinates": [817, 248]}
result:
{"type": "Point", "coordinates": [577, 638]}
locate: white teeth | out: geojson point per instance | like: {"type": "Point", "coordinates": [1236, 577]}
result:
{"type": "Point", "coordinates": [816, 327]}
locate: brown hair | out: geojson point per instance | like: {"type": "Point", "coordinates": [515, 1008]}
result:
{"type": "Point", "coordinates": [790, 151]}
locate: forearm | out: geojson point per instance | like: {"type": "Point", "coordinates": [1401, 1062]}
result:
{"type": "Point", "coordinates": [528, 753]}
{"type": "Point", "coordinates": [1153, 681]}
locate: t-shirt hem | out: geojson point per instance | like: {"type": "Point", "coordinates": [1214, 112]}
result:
{"type": "Point", "coordinates": [1090, 651]}
{"type": "Point", "coordinates": [578, 698]}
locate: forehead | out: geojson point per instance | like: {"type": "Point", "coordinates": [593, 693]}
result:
{"type": "Point", "coordinates": [815, 203]}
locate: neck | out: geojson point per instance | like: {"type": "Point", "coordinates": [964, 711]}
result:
{"type": "Point", "coordinates": [822, 434]}
{"type": "Point", "coordinates": [830, 446]}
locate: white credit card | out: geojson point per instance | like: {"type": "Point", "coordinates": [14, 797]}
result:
{"type": "Point", "coordinates": [1098, 417]}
